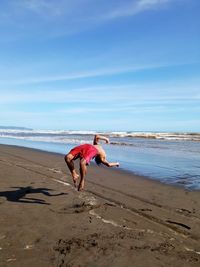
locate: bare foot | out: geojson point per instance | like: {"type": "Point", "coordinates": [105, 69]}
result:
{"type": "Point", "coordinates": [75, 177]}
{"type": "Point", "coordinates": [80, 188]}
{"type": "Point", "coordinates": [81, 185]}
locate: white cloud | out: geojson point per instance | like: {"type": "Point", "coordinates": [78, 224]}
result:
{"type": "Point", "coordinates": [134, 7]}
{"type": "Point", "coordinates": [40, 7]}
{"type": "Point", "coordinates": [67, 7]}
{"type": "Point", "coordinates": [68, 16]}
{"type": "Point", "coordinates": [88, 74]}
{"type": "Point", "coordinates": [130, 94]}
{"type": "Point", "coordinates": [115, 109]}
{"type": "Point", "coordinates": [36, 5]}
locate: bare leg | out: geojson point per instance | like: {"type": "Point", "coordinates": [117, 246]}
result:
{"type": "Point", "coordinates": [83, 170]}
{"type": "Point", "coordinates": [70, 164]}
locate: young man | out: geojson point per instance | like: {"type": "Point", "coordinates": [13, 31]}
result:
{"type": "Point", "coordinates": [86, 153]}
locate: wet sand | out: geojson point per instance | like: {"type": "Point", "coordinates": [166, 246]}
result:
{"type": "Point", "coordinates": [119, 220]}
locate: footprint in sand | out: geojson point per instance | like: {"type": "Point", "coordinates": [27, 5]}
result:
{"type": "Point", "coordinates": [83, 203]}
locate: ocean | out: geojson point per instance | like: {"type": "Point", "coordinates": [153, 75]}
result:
{"type": "Point", "coordinates": [172, 158]}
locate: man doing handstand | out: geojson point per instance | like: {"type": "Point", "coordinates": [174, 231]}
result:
{"type": "Point", "coordinates": [86, 153]}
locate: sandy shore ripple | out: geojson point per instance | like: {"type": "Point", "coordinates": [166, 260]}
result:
{"type": "Point", "coordinates": [119, 220]}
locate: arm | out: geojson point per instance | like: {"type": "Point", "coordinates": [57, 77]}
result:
{"type": "Point", "coordinates": [100, 137]}
{"type": "Point", "coordinates": [109, 164]}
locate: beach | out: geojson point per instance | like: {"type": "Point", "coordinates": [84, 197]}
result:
{"type": "Point", "coordinates": [171, 158]}
{"type": "Point", "coordinates": [120, 219]}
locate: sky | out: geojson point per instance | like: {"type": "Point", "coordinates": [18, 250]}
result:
{"type": "Point", "coordinates": [120, 65]}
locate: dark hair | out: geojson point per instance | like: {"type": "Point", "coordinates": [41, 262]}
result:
{"type": "Point", "coordinates": [98, 160]}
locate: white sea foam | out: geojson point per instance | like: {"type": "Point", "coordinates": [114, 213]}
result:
{"type": "Point", "coordinates": [19, 131]}
{"type": "Point", "coordinates": [60, 140]}
{"type": "Point", "coordinates": [65, 136]}
{"type": "Point", "coordinates": [158, 135]}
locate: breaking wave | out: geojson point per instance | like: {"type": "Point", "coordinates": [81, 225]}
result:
{"type": "Point", "coordinates": [69, 136]}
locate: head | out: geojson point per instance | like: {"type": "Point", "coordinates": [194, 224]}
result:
{"type": "Point", "coordinates": [98, 160]}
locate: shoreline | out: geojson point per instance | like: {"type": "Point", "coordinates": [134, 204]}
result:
{"type": "Point", "coordinates": [119, 218]}
{"type": "Point", "coordinates": [119, 170]}
{"type": "Point", "coordinates": [150, 161]}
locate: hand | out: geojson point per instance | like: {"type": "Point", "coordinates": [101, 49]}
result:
{"type": "Point", "coordinates": [107, 141]}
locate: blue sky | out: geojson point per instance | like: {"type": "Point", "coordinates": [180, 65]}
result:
{"type": "Point", "coordinates": [100, 65]}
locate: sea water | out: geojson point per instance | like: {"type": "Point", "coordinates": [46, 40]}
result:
{"type": "Point", "coordinates": [172, 158]}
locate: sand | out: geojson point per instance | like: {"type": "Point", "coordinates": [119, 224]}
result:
{"type": "Point", "coordinates": [120, 219]}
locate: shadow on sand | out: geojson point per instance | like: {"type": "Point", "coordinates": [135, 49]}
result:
{"type": "Point", "coordinates": [20, 195]}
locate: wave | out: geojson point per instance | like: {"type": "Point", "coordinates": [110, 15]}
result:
{"type": "Point", "coordinates": [164, 136]}
{"type": "Point", "coordinates": [118, 137]}
{"type": "Point", "coordinates": [47, 139]}
{"type": "Point", "coordinates": [18, 131]}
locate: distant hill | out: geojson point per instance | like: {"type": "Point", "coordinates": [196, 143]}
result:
{"type": "Point", "coordinates": [14, 128]}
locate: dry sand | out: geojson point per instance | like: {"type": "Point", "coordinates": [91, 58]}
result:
{"type": "Point", "coordinates": [119, 220]}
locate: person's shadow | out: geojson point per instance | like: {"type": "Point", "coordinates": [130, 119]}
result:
{"type": "Point", "coordinates": [20, 195]}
